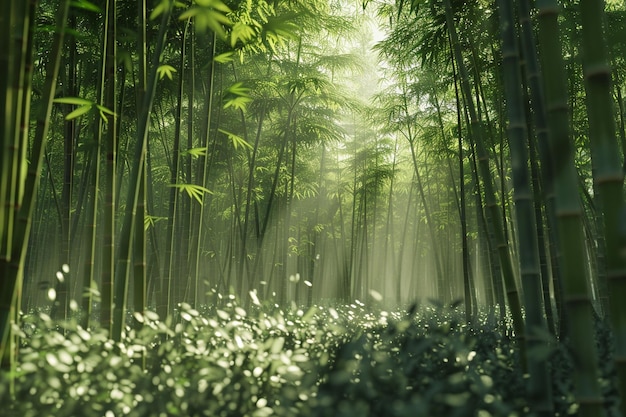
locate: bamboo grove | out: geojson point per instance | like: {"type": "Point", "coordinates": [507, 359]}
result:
{"type": "Point", "coordinates": [160, 152]}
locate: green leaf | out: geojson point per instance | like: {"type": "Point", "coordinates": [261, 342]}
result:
{"type": "Point", "coordinates": [193, 191]}
{"type": "Point", "coordinates": [166, 71]}
{"type": "Point", "coordinates": [240, 99]}
{"type": "Point", "coordinates": [159, 9]}
{"type": "Point", "coordinates": [241, 32]}
{"type": "Point", "coordinates": [78, 112]}
{"type": "Point", "coordinates": [224, 58]}
{"type": "Point", "coordinates": [74, 100]}
{"type": "Point", "coordinates": [238, 89]}
{"type": "Point", "coordinates": [239, 103]}
{"type": "Point", "coordinates": [196, 152]}
{"type": "Point", "coordinates": [209, 14]}
{"type": "Point", "coordinates": [215, 4]}
{"type": "Point", "coordinates": [86, 5]}
{"type": "Point", "coordinates": [189, 13]}
{"type": "Point", "coordinates": [237, 141]}
{"type": "Point", "coordinates": [105, 110]}
{"type": "Point", "coordinates": [150, 221]}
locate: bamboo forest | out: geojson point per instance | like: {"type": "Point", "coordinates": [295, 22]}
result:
{"type": "Point", "coordinates": [317, 208]}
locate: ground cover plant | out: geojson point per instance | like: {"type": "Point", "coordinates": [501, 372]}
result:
{"type": "Point", "coordinates": [348, 360]}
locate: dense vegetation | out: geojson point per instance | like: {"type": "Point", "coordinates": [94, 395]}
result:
{"type": "Point", "coordinates": [312, 153]}
{"type": "Point", "coordinates": [326, 361]}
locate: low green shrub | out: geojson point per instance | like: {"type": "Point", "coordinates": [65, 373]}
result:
{"type": "Point", "coordinates": [267, 361]}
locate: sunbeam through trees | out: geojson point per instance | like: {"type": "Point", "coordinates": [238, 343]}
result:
{"type": "Point", "coordinates": [312, 207]}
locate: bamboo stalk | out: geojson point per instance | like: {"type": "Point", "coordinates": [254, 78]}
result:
{"type": "Point", "coordinates": [539, 383]}
{"type": "Point", "coordinates": [109, 148]}
{"type": "Point", "coordinates": [12, 266]}
{"type": "Point", "coordinates": [608, 176]}
{"type": "Point", "coordinates": [485, 174]}
{"type": "Point", "coordinates": [122, 271]}
{"type": "Point", "coordinates": [578, 311]}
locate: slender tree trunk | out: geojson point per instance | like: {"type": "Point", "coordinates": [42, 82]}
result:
{"type": "Point", "coordinates": [110, 146]}
{"type": "Point", "coordinates": [126, 235]}
{"type": "Point", "coordinates": [172, 238]}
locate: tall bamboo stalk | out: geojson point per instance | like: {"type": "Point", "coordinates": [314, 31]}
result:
{"type": "Point", "coordinates": [485, 174]}
{"type": "Point", "coordinates": [6, 68]}
{"type": "Point", "coordinates": [12, 266]}
{"type": "Point", "coordinates": [110, 149]}
{"type": "Point", "coordinates": [13, 144]}
{"type": "Point", "coordinates": [174, 202]}
{"type": "Point", "coordinates": [577, 302]}
{"type": "Point", "coordinates": [608, 177]}
{"type": "Point", "coordinates": [539, 384]}
{"type": "Point", "coordinates": [122, 271]}
{"type": "Point", "coordinates": [139, 271]}
{"type": "Point", "coordinates": [534, 80]}
{"type": "Point", "coordinates": [203, 168]}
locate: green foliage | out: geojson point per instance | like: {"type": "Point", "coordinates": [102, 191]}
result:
{"type": "Point", "coordinates": [193, 191]}
{"type": "Point", "coordinates": [237, 96]}
{"type": "Point", "coordinates": [166, 71]}
{"type": "Point", "coordinates": [229, 361]}
{"type": "Point", "coordinates": [84, 107]}
{"type": "Point", "coordinates": [238, 141]}
{"type": "Point", "coordinates": [209, 15]}
{"type": "Point", "coordinates": [86, 5]}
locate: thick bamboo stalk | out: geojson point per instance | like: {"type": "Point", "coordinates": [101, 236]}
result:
{"type": "Point", "coordinates": [534, 81]}
{"type": "Point", "coordinates": [6, 66]}
{"type": "Point", "coordinates": [578, 311]}
{"type": "Point", "coordinates": [12, 266]}
{"type": "Point", "coordinates": [539, 384]}
{"type": "Point", "coordinates": [608, 175]}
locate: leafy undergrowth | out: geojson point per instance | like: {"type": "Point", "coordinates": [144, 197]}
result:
{"type": "Point", "coordinates": [264, 361]}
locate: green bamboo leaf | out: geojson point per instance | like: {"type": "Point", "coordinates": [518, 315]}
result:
{"type": "Point", "coordinates": [214, 21]}
{"type": "Point", "coordinates": [237, 97]}
{"type": "Point", "coordinates": [241, 32]}
{"type": "Point", "coordinates": [238, 89]}
{"type": "Point", "coordinates": [86, 5]}
{"type": "Point", "coordinates": [166, 71]}
{"type": "Point", "coordinates": [150, 221]}
{"type": "Point", "coordinates": [159, 9]}
{"type": "Point", "coordinates": [209, 14]}
{"type": "Point", "coordinates": [193, 191]}
{"type": "Point", "coordinates": [191, 12]}
{"type": "Point", "coordinates": [281, 27]}
{"type": "Point", "coordinates": [239, 103]}
{"type": "Point", "coordinates": [224, 58]}
{"type": "Point", "coordinates": [105, 110]}
{"type": "Point", "coordinates": [196, 152]}
{"type": "Point", "coordinates": [215, 4]}
{"type": "Point", "coordinates": [78, 112]}
{"type": "Point", "coordinates": [237, 141]}
{"type": "Point", "coordinates": [74, 100]}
